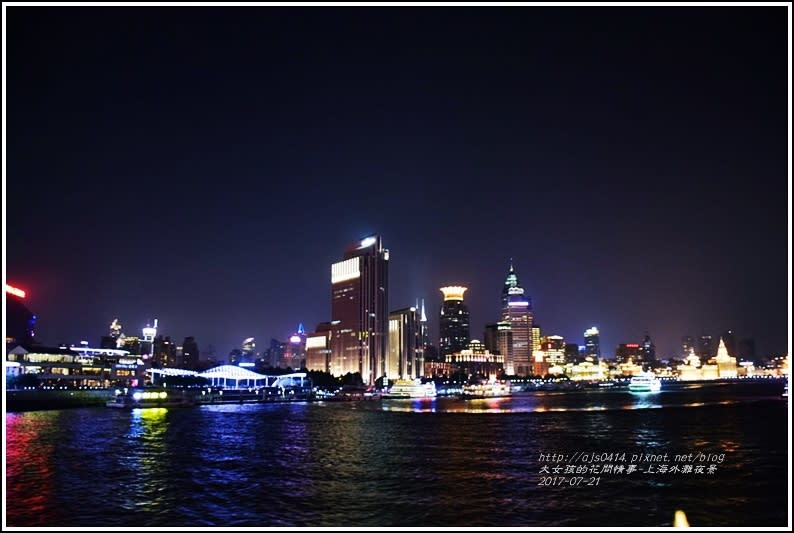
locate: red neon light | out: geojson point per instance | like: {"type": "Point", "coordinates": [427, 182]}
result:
{"type": "Point", "coordinates": [13, 290]}
{"type": "Point", "coordinates": [632, 346]}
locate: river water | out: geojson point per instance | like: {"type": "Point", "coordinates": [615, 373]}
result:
{"type": "Point", "coordinates": [446, 462]}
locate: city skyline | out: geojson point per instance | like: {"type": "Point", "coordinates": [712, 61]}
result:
{"type": "Point", "coordinates": [203, 167]}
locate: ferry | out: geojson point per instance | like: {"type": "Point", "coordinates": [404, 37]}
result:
{"type": "Point", "coordinates": [145, 398]}
{"type": "Point", "coordinates": [493, 389]}
{"type": "Point", "coordinates": [406, 389]}
{"type": "Point", "coordinates": [647, 382]}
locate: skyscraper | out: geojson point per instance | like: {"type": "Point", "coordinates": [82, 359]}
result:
{"type": "Point", "coordinates": [592, 343]}
{"type": "Point", "coordinates": [517, 310]}
{"type": "Point", "coordinates": [453, 321]}
{"type": "Point", "coordinates": [687, 346]}
{"type": "Point", "coordinates": [359, 310]}
{"type": "Point", "coordinates": [405, 359]}
{"type": "Point", "coordinates": [648, 349]}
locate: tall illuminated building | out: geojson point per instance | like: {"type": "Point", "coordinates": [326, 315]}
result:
{"type": "Point", "coordinates": [405, 356]}
{"type": "Point", "coordinates": [706, 351]}
{"type": "Point", "coordinates": [453, 321]}
{"type": "Point", "coordinates": [359, 310]}
{"type": "Point", "coordinates": [592, 343]}
{"type": "Point", "coordinates": [517, 310]}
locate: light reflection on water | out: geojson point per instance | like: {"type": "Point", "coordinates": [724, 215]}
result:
{"type": "Point", "coordinates": [370, 463]}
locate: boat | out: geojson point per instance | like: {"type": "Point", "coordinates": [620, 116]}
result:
{"type": "Point", "coordinates": [146, 398]}
{"type": "Point", "coordinates": [490, 389]}
{"type": "Point", "coordinates": [407, 389]}
{"type": "Point", "coordinates": [647, 382]}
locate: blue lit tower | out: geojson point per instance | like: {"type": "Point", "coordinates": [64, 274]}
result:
{"type": "Point", "coordinates": [453, 321]}
{"type": "Point", "coordinates": [517, 311]}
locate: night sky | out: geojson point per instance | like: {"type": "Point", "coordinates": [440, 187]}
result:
{"type": "Point", "coordinates": [206, 165]}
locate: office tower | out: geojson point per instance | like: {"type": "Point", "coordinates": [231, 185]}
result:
{"type": "Point", "coordinates": [572, 353]}
{"type": "Point", "coordinates": [20, 322]}
{"type": "Point", "coordinates": [404, 345]}
{"type": "Point", "coordinates": [453, 321]}
{"type": "Point", "coordinates": [359, 310]}
{"type": "Point", "coordinates": [499, 340]}
{"type": "Point", "coordinates": [628, 351]}
{"type": "Point", "coordinates": [318, 348]}
{"type": "Point", "coordinates": [592, 343]}
{"type": "Point", "coordinates": [706, 347]}
{"type": "Point", "coordinates": [648, 349]}
{"type": "Point", "coordinates": [190, 354]}
{"type": "Point", "coordinates": [274, 356]}
{"type": "Point", "coordinates": [687, 346]}
{"type": "Point", "coordinates": [517, 310]}
{"type": "Point", "coordinates": [535, 337]}
{"type": "Point", "coordinates": [553, 349]}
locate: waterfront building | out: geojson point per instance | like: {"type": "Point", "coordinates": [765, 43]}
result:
{"type": "Point", "coordinates": [592, 343]}
{"type": "Point", "coordinates": [535, 336]}
{"type": "Point", "coordinates": [729, 338]}
{"type": "Point", "coordinates": [553, 349]}
{"type": "Point", "coordinates": [517, 311]}
{"type": "Point", "coordinates": [476, 360]}
{"type": "Point", "coordinates": [405, 360]}
{"type": "Point", "coordinates": [20, 321]}
{"type": "Point", "coordinates": [726, 364]}
{"type": "Point", "coordinates": [77, 367]}
{"type": "Point", "coordinates": [453, 321]}
{"type": "Point", "coordinates": [499, 339]}
{"type": "Point", "coordinates": [359, 310]}
{"type": "Point", "coordinates": [318, 348]}
{"type": "Point", "coordinates": [628, 351]}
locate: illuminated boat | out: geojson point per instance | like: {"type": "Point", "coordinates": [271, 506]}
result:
{"type": "Point", "coordinates": [406, 389]}
{"type": "Point", "coordinates": [145, 398]}
{"type": "Point", "coordinates": [491, 389]}
{"type": "Point", "coordinates": [647, 382]}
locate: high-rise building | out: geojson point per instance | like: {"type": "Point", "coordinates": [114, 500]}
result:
{"type": "Point", "coordinates": [359, 310]}
{"type": "Point", "coordinates": [628, 351]}
{"type": "Point", "coordinates": [499, 340]}
{"type": "Point", "coordinates": [553, 349]}
{"type": "Point", "coordinates": [648, 349]}
{"type": "Point", "coordinates": [453, 321]}
{"type": "Point", "coordinates": [190, 353]}
{"type": "Point", "coordinates": [318, 348]}
{"type": "Point", "coordinates": [517, 310]}
{"type": "Point", "coordinates": [592, 343]}
{"type": "Point", "coordinates": [706, 351]}
{"type": "Point", "coordinates": [405, 360]}
{"type": "Point", "coordinates": [572, 353]}
{"type": "Point", "coordinates": [274, 355]}
{"type": "Point", "coordinates": [424, 336]}
{"type": "Point", "coordinates": [535, 337]}
{"type": "Point", "coordinates": [687, 346]}
{"type": "Point", "coordinates": [295, 351]}
{"type": "Point", "coordinates": [20, 322]}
